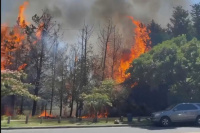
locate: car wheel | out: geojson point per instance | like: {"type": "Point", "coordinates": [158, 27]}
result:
{"type": "Point", "coordinates": [165, 121]}
{"type": "Point", "coordinates": [198, 121]}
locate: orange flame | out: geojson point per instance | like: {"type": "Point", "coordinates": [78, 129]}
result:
{"type": "Point", "coordinates": [140, 46]}
{"type": "Point", "coordinates": [12, 39]}
{"type": "Point", "coordinates": [99, 115]}
{"type": "Point", "coordinates": [39, 31]}
{"type": "Point", "coordinates": [43, 114]}
{"type": "Point", "coordinates": [7, 111]}
{"type": "Point", "coordinates": [22, 66]}
{"type": "Point", "coordinates": [21, 16]}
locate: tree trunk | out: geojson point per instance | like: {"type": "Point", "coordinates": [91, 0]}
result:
{"type": "Point", "coordinates": [35, 102]}
{"type": "Point", "coordinates": [54, 72]}
{"type": "Point", "coordinates": [113, 58]}
{"type": "Point", "coordinates": [71, 110]}
{"type": "Point", "coordinates": [21, 106]}
{"type": "Point", "coordinates": [13, 98]}
{"type": "Point", "coordinates": [77, 109]}
{"type": "Point", "coordinates": [61, 92]}
{"type": "Point", "coordinates": [109, 30]}
{"type": "Point", "coordinates": [39, 70]}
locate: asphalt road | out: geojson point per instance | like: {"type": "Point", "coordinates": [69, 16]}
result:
{"type": "Point", "coordinates": [109, 130]}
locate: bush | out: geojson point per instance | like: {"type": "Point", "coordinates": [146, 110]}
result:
{"type": "Point", "coordinates": [4, 117]}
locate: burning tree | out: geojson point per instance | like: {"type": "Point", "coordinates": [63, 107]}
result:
{"type": "Point", "coordinates": [140, 46]}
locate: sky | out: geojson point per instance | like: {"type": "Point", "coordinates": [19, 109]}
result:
{"type": "Point", "coordinates": [72, 14]}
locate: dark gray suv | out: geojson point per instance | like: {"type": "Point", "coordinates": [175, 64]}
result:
{"type": "Point", "coordinates": [183, 112]}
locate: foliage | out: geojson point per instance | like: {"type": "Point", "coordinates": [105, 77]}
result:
{"type": "Point", "coordinates": [195, 13]}
{"type": "Point", "coordinates": [180, 21]}
{"type": "Point", "coordinates": [99, 97]}
{"type": "Point", "coordinates": [11, 84]}
{"type": "Point", "coordinates": [174, 63]}
{"type": "Point", "coordinates": [157, 34]}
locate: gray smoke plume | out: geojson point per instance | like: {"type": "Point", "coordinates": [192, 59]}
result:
{"type": "Point", "coordinates": [72, 14]}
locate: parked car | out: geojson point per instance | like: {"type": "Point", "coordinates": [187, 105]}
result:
{"type": "Point", "coordinates": [183, 112]}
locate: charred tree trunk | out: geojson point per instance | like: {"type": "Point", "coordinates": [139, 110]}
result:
{"type": "Point", "coordinates": [61, 105]}
{"type": "Point", "coordinates": [85, 57]}
{"type": "Point", "coordinates": [61, 92]}
{"type": "Point", "coordinates": [21, 106]}
{"type": "Point", "coordinates": [39, 71]}
{"type": "Point", "coordinates": [77, 105]}
{"type": "Point", "coordinates": [107, 38]}
{"type": "Point", "coordinates": [72, 105]}
{"type": "Point", "coordinates": [13, 98]}
{"type": "Point", "coordinates": [54, 71]}
{"type": "Point", "coordinates": [113, 58]}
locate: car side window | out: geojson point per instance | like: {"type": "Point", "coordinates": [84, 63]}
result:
{"type": "Point", "coordinates": [185, 107]}
{"type": "Point", "coordinates": [180, 107]}
{"type": "Point", "coordinates": [191, 107]}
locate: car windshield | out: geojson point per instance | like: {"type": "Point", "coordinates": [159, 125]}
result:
{"type": "Point", "coordinates": [170, 107]}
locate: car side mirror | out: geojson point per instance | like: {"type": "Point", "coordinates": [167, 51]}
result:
{"type": "Point", "coordinates": [174, 109]}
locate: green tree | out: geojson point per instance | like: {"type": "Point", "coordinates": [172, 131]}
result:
{"type": "Point", "coordinates": [173, 64]}
{"type": "Point", "coordinates": [11, 84]}
{"type": "Point", "coordinates": [195, 13]}
{"type": "Point", "coordinates": [157, 34]}
{"type": "Point", "coordinates": [180, 22]}
{"type": "Point", "coordinates": [99, 98]}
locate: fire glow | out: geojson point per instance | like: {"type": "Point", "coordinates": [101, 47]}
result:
{"type": "Point", "coordinates": [13, 38]}
{"type": "Point", "coordinates": [99, 115]}
{"type": "Point", "coordinates": [45, 114]}
{"type": "Point", "coordinates": [139, 47]}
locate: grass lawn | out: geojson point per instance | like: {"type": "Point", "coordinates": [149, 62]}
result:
{"type": "Point", "coordinates": [35, 122]}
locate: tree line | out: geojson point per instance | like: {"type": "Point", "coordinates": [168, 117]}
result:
{"type": "Point", "coordinates": [74, 75]}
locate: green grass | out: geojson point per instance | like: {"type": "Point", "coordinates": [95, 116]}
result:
{"type": "Point", "coordinates": [35, 122]}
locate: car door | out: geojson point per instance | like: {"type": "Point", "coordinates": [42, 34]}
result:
{"type": "Point", "coordinates": [178, 113]}
{"type": "Point", "coordinates": [191, 112]}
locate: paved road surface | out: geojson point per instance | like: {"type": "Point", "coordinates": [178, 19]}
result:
{"type": "Point", "coordinates": [109, 130]}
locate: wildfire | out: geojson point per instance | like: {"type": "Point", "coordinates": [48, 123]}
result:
{"type": "Point", "coordinates": [93, 116]}
{"type": "Point", "coordinates": [12, 38]}
{"type": "Point", "coordinates": [7, 111]}
{"type": "Point", "coordinates": [139, 47]}
{"type": "Point", "coordinates": [22, 67]}
{"type": "Point", "coordinates": [39, 31]}
{"type": "Point", "coordinates": [21, 16]}
{"type": "Point", "coordinates": [45, 114]}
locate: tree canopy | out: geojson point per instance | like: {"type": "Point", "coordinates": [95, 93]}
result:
{"type": "Point", "coordinates": [11, 84]}
{"type": "Point", "coordinates": [174, 63]}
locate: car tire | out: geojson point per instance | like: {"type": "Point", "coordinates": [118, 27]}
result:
{"type": "Point", "coordinates": [165, 121]}
{"type": "Point", "coordinates": [198, 121]}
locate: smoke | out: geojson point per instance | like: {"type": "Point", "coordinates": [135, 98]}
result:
{"type": "Point", "coordinates": [72, 14]}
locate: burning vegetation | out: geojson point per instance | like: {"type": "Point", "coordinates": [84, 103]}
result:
{"type": "Point", "coordinates": [15, 38]}
{"type": "Point", "coordinates": [141, 45]}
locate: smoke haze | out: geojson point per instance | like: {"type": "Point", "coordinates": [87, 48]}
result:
{"type": "Point", "coordinates": [72, 14]}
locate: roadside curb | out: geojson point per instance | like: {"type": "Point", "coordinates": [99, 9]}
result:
{"type": "Point", "coordinates": [81, 126]}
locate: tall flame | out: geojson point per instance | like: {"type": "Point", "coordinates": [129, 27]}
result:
{"type": "Point", "coordinates": [139, 47]}
{"type": "Point", "coordinates": [12, 38]}
{"type": "Point", "coordinates": [21, 16]}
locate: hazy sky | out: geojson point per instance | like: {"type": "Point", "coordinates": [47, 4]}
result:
{"type": "Point", "coordinates": [72, 13]}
